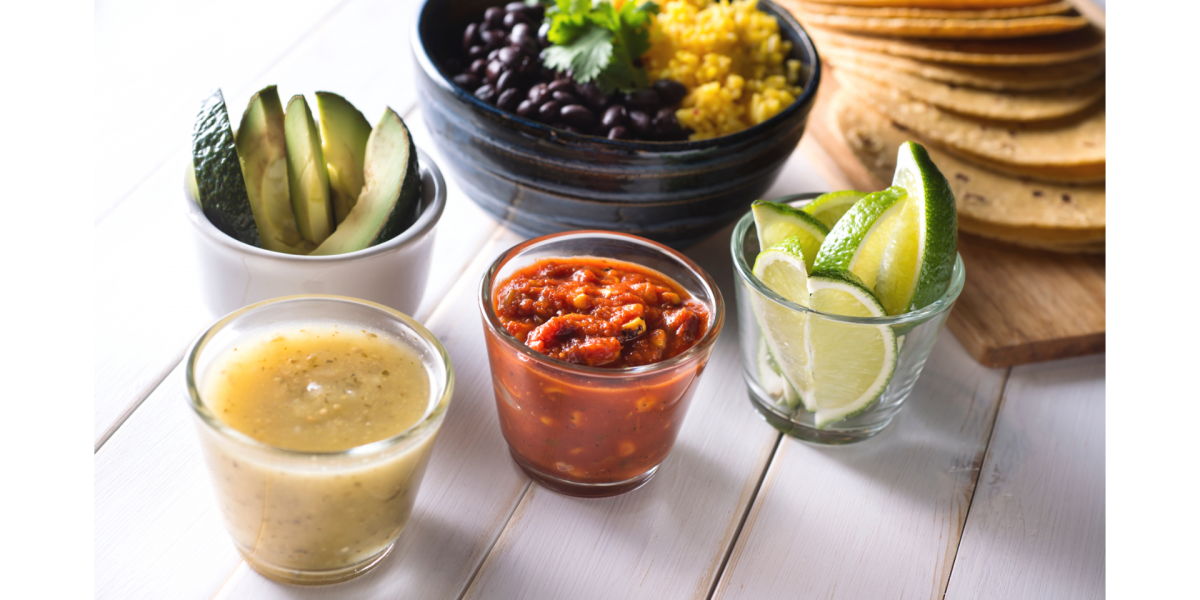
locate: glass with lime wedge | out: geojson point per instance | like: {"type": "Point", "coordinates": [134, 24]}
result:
{"type": "Point", "coordinates": [837, 316]}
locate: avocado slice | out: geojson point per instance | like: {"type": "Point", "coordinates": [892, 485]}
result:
{"type": "Point", "coordinates": [264, 156]}
{"type": "Point", "coordinates": [344, 133]}
{"type": "Point", "coordinates": [306, 173]}
{"type": "Point", "coordinates": [391, 193]}
{"type": "Point", "coordinates": [222, 191]}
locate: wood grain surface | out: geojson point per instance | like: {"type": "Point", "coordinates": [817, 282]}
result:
{"type": "Point", "coordinates": [1018, 305]}
{"type": "Point", "coordinates": [877, 519]}
{"type": "Point", "coordinates": [1036, 527]}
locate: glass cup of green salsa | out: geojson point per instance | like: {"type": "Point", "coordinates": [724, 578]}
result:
{"type": "Point", "coordinates": [623, 326]}
{"type": "Point", "coordinates": [319, 499]}
{"type": "Point", "coordinates": [773, 393]}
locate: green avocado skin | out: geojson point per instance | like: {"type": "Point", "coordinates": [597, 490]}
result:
{"type": "Point", "coordinates": [409, 199]}
{"type": "Point", "coordinates": [219, 179]}
{"type": "Point", "coordinates": [391, 195]}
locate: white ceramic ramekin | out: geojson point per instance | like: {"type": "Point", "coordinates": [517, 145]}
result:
{"type": "Point", "coordinates": [394, 273]}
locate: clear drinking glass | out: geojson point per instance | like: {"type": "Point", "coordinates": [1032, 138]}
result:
{"type": "Point", "coordinates": [589, 431]}
{"type": "Point", "coordinates": [770, 392]}
{"type": "Point", "coordinates": [316, 517]}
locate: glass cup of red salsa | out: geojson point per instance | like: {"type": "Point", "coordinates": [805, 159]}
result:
{"type": "Point", "coordinates": [595, 341]}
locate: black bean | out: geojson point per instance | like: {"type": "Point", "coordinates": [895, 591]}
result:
{"type": "Point", "coordinates": [526, 108]}
{"type": "Point", "coordinates": [593, 96]}
{"type": "Point", "coordinates": [562, 85]}
{"type": "Point", "coordinates": [670, 92]}
{"type": "Point", "coordinates": [467, 81]}
{"type": "Point", "coordinates": [493, 54]}
{"type": "Point", "coordinates": [549, 111]}
{"type": "Point", "coordinates": [665, 123]}
{"type": "Point", "coordinates": [507, 79]}
{"type": "Point", "coordinates": [494, 69]}
{"type": "Point", "coordinates": [614, 116]}
{"type": "Point", "coordinates": [509, 99]}
{"type": "Point", "coordinates": [511, 19]}
{"type": "Point", "coordinates": [470, 36]}
{"type": "Point", "coordinates": [640, 123]}
{"type": "Point", "coordinates": [564, 97]}
{"type": "Point", "coordinates": [515, 7]}
{"type": "Point", "coordinates": [486, 93]}
{"type": "Point", "coordinates": [543, 33]}
{"type": "Point", "coordinates": [618, 133]}
{"type": "Point", "coordinates": [578, 115]}
{"type": "Point", "coordinates": [476, 52]}
{"type": "Point", "coordinates": [521, 30]}
{"type": "Point", "coordinates": [644, 99]}
{"type": "Point", "coordinates": [494, 38]}
{"type": "Point", "coordinates": [529, 68]}
{"type": "Point", "coordinates": [510, 55]}
{"type": "Point", "coordinates": [478, 68]}
{"type": "Point", "coordinates": [538, 94]}
{"type": "Point", "coordinates": [493, 16]}
{"type": "Point", "coordinates": [526, 43]}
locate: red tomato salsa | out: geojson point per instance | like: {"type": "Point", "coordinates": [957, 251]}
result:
{"type": "Point", "coordinates": [600, 313]}
{"type": "Point", "coordinates": [578, 425]}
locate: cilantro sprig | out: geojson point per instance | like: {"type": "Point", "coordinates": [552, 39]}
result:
{"type": "Point", "coordinates": [599, 42]}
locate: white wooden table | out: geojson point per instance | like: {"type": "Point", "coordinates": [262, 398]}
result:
{"type": "Point", "coordinates": [990, 483]}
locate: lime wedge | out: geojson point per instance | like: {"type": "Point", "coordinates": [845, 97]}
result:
{"type": "Point", "coordinates": [770, 377]}
{"type": "Point", "coordinates": [851, 363]}
{"type": "Point", "coordinates": [781, 268]}
{"type": "Point", "coordinates": [858, 241]}
{"type": "Point", "coordinates": [829, 208]}
{"type": "Point", "coordinates": [915, 266]}
{"type": "Point", "coordinates": [777, 222]}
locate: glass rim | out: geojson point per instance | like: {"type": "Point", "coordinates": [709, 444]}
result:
{"type": "Point", "coordinates": [717, 306]}
{"type": "Point", "coordinates": [746, 273]}
{"type": "Point", "coordinates": [417, 430]}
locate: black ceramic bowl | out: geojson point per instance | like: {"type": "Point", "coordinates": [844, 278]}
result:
{"type": "Point", "coordinates": [545, 180]}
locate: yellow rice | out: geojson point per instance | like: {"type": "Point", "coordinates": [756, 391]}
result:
{"type": "Point", "coordinates": [731, 58]}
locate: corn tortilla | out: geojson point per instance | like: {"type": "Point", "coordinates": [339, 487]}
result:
{"type": "Point", "coordinates": [1015, 78]}
{"type": "Point", "coordinates": [945, 28]}
{"type": "Point", "coordinates": [981, 195]}
{"type": "Point", "coordinates": [1041, 235]}
{"type": "Point", "coordinates": [1054, 8]}
{"type": "Point", "coordinates": [1076, 148]}
{"type": "Point", "coordinates": [1044, 50]}
{"type": "Point", "coordinates": [999, 106]}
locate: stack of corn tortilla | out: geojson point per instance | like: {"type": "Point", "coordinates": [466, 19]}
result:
{"type": "Point", "coordinates": [1007, 96]}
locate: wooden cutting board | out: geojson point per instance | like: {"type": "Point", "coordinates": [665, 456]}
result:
{"type": "Point", "coordinates": [1018, 305]}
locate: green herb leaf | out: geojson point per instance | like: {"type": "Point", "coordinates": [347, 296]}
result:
{"type": "Point", "coordinates": [600, 43]}
{"type": "Point", "coordinates": [586, 57]}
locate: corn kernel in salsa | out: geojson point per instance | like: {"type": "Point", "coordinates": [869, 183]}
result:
{"type": "Point", "coordinates": [599, 312]}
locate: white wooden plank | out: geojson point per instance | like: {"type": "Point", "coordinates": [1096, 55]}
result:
{"type": "Point", "coordinates": [157, 530]}
{"type": "Point", "coordinates": [155, 59]}
{"type": "Point", "coordinates": [1036, 525]}
{"type": "Point", "coordinates": [148, 303]}
{"type": "Point", "coordinates": [669, 538]}
{"type": "Point", "coordinates": [877, 519]}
